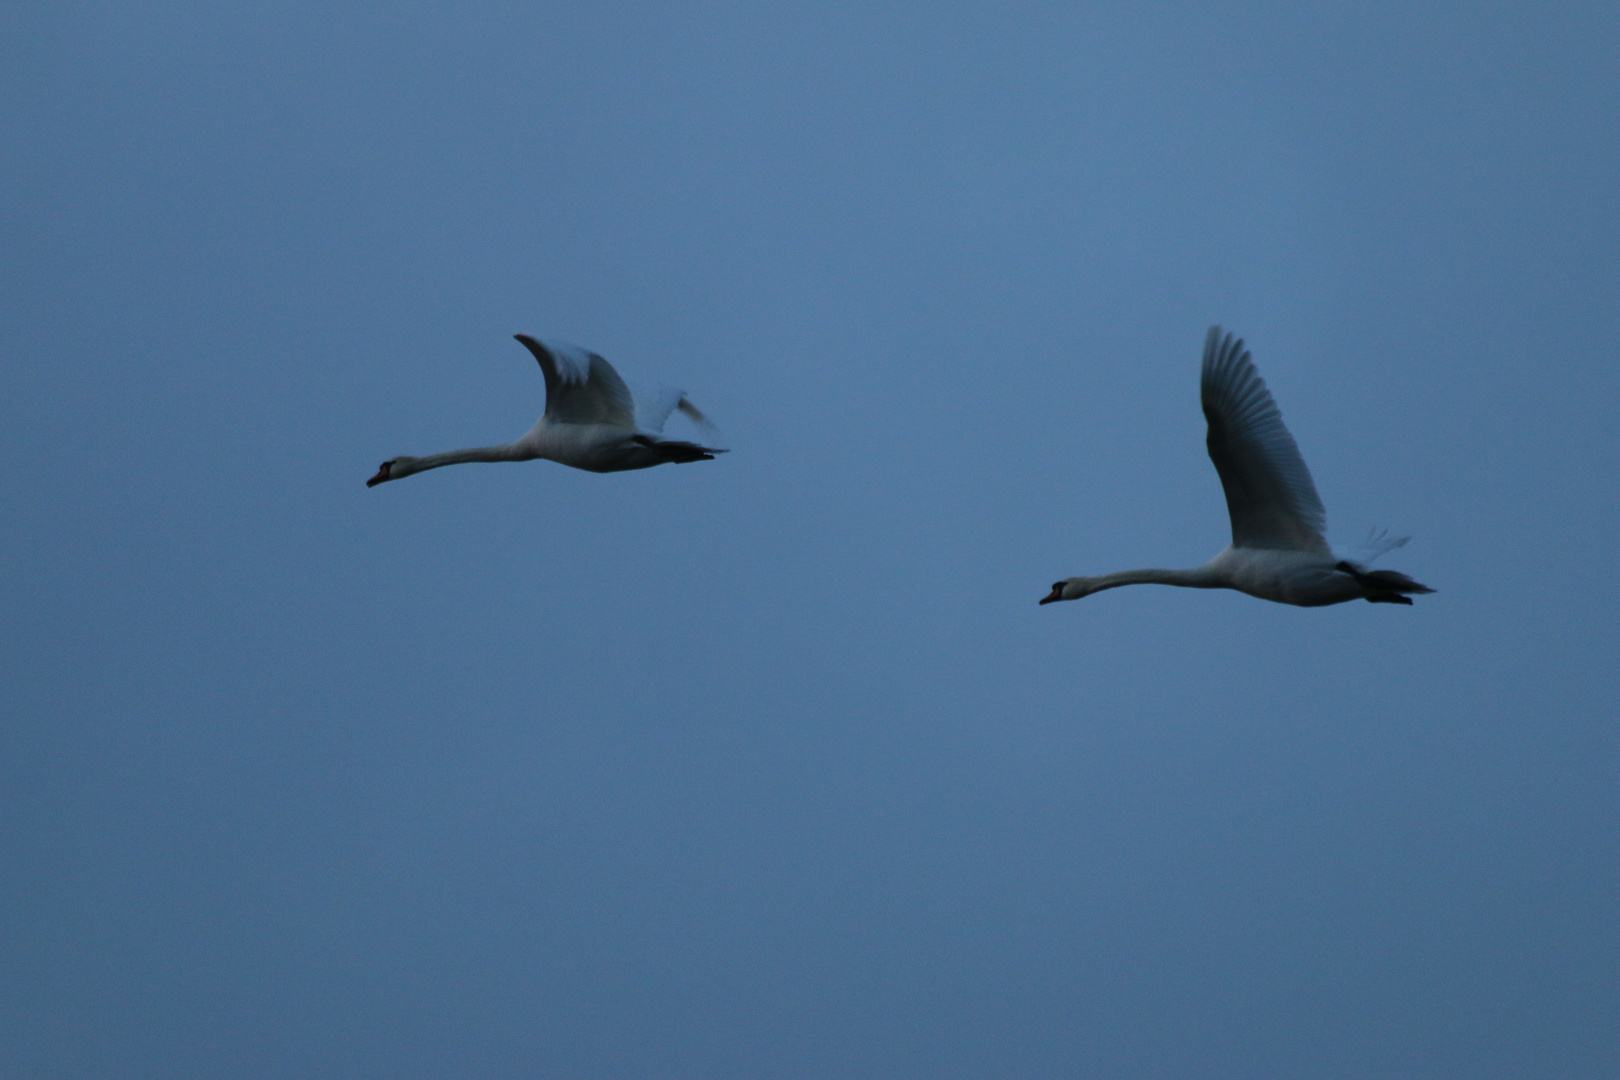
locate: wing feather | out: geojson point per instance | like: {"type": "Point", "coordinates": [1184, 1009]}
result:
{"type": "Point", "coordinates": [581, 387]}
{"type": "Point", "coordinates": [1269, 492]}
{"type": "Point", "coordinates": [694, 414]}
{"type": "Point", "coordinates": [654, 406]}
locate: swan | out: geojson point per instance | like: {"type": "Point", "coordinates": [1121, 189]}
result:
{"type": "Point", "coordinates": [591, 422]}
{"type": "Point", "coordinates": [1277, 551]}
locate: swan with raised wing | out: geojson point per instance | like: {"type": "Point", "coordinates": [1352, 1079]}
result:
{"type": "Point", "coordinates": [591, 422]}
{"type": "Point", "coordinates": [1278, 551]}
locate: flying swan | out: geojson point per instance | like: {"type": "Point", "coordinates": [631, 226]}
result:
{"type": "Point", "coordinates": [1277, 551]}
{"type": "Point", "coordinates": [590, 422]}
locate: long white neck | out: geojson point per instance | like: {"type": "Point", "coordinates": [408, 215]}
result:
{"type": "Point", "coordinates": [405, 466]}
{"type": "Point", "coordinates": [1199, 577]}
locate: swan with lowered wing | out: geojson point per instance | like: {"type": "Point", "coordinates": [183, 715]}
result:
{"type": "Point", "coordinates": [591, 422]}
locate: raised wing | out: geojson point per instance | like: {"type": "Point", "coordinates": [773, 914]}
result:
{"type": "Point", "coordinates": [654, 406]}
{"type": "Point", "coordinates": [1269, 493]}
{"type": "Point", "coordinates": [692, 413]}
{"type": "Point", "coordinates": [653, 409]}
{"type": "Point", "coordinates": [581, 387]}
{"type": "Point", "coordinates": [1377, 544]}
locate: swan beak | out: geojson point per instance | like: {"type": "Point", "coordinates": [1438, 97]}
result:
{"type": "Point", "coordinates": [382, 474]}
{"type": "Point", "coordinates": [1057, 594]}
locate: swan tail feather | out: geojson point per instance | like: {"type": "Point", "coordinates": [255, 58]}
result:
{"type": "Point", "coordinates": [677, 452]}
{"type": "Point", "coordinates": [1383, 586]}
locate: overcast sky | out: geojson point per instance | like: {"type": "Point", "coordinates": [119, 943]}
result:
{"type": "Point", "coordinates": [771, 766]}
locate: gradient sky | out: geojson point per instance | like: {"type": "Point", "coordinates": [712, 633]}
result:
{"type": "Point", "coordinates": [772, 766]}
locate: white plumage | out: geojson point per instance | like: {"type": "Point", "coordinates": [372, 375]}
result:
{"type": "Point", "coordinates": [1278, 551]}
{"type": "Point", "coordinates": [591, 422]}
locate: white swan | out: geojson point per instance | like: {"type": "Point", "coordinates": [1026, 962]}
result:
{"type": "Point", "coordinates": [590, 422]}
{"type": "Point", "coordinates": [1277, 551]}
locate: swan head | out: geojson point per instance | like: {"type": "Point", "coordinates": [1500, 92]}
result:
{"type": "Point", "coordinates": [1070, 589]}
{"type": "Point", "coordinates": [392, 469]}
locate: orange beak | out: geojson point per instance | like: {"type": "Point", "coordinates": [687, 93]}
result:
{"type": "Point", "coordinates": [1057, 594]}
{"type": "Point", "coordinates": [382, 474]}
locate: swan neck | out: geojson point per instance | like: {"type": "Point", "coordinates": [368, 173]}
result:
{"type": "Point", "coordinates": [1196, 578]}
{"type": "Point", "coordinates": [506, 452]}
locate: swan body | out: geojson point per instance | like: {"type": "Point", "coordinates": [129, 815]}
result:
{"type": "Point", "coordinates": [1278, 551]}
{"type": "Point", "coordinates": [591, 422]}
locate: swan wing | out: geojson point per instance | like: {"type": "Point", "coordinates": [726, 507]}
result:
{"type": "Point", "coordinates": [1269, 492]}
{"type": "Point", "coordinates": [1378, 543]}
{"type": "Point", "coordinates": [581, 387]}
{"type": "Point", "coordinates": [654, 406]}
{"type": "Point", "coordinates": [653, 409]}
{"type": "Point", "coordinates": [694, 414]}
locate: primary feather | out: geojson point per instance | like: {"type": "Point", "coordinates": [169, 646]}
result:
{"type": "Point", "coordinates": [1269, 493]}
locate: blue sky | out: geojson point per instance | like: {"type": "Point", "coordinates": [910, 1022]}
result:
{"type": "Point", "coordinates": [771, 766]}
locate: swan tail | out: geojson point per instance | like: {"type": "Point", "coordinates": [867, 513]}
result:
{"type": "Point", "coordinates": [677, 452]}
{"type": "Point", "coordinates": [1383, 586]}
